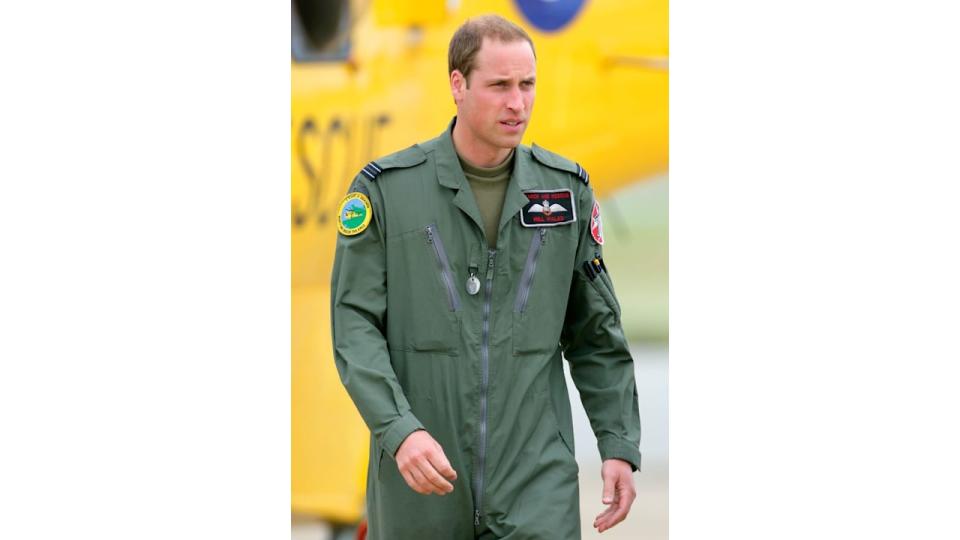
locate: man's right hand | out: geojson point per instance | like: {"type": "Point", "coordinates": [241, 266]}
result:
{"type": "Point", "coordinates": [423, 464]}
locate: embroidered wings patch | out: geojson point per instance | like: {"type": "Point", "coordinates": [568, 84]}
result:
{"type": "Point", "coordinates": [548, 208]}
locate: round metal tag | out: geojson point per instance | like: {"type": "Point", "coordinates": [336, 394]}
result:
{"type": "Point", "coordinates": [473, 285]}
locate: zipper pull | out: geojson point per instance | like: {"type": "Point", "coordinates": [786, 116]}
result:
{"type": "Point", "coordinates": [429, 234]}
{"type": "Point", "coordinates": [490, 260]}
{"type": "Point", "coordinates": [476, 518]}
{"type": "Point", "coordinates": [543, 236]}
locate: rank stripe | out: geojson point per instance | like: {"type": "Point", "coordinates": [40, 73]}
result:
{"type": "Point", "coordinates": [372, 170]}
{"type": "Point", "coordinates": [582, 174]}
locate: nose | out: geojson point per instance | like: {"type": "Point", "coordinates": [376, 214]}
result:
{"type": "Point", "coordinates": [515, 100]}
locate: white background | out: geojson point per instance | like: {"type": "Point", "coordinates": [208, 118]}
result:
{"type": "Point", "coordinates": [144, 283]}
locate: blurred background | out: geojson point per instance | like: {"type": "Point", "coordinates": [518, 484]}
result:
{"type": "Point", "coordinates": [369, 78]}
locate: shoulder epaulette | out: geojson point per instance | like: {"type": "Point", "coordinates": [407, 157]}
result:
{"type": "Point", "coordinates": [559, 162]}
{"type": "Point", "coordinates": [398, 160]}
{"type": "Point", "coordinates": [372, 170]}
{"type": "Point", "coordinates": [583, 175]}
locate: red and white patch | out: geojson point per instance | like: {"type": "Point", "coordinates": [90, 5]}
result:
{"type": "Point", "coordinates": [596, 226]}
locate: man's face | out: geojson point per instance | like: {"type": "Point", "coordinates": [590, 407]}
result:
{"type": "Point", "coordinates": [497, 105]}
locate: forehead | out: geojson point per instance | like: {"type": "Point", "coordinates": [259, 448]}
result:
{"type": "Point", "coordinates": [498, 58]}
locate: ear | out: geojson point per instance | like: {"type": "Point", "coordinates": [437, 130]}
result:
{"type": "Point", "coordinates": [458, 85]}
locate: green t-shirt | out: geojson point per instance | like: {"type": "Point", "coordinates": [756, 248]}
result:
{"type": "Point", "coordinates": [489, 187]}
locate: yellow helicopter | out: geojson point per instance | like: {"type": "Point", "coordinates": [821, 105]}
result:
{"type": "Point", "coordinates": [369, 78]}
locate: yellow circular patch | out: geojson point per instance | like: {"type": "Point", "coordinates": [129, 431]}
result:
{"type": "Point", "coordinates": [354, 214]}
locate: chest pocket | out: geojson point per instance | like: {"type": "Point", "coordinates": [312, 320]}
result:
{"type": "Point", "coordinates": [424, 309]}
{"type": "Point", "coordinates": [540, 300]}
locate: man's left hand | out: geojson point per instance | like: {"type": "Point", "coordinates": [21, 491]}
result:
{"type": "Point", "coordinates": [618, 493]}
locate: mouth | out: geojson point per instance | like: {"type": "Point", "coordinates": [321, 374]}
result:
{"type": "Point", "coordinates": [511, 124]}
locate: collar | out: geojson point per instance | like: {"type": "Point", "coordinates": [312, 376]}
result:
{"type": "Point", "coordinates": [450, 175]}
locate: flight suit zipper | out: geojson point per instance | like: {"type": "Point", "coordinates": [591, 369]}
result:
{"type": "Point", "coordinates": [484, 380]}
{"type": "Point", "coordinates": [529, 269]}
{"type": "Point", "coordinates": [433, 237]}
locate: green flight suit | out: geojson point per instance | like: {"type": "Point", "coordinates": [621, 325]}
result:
{"type": "Point", "coordinates": [482, 373]}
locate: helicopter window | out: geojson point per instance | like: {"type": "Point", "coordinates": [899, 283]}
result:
{"type": "Point", "coordinates": [320, 30]}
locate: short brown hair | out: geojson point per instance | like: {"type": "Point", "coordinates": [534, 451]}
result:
{"type": "Point", "coordinates": [468, 39]}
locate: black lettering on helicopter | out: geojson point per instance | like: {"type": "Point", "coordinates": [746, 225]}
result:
{"type": "Point", "coordinates": [323, 175]}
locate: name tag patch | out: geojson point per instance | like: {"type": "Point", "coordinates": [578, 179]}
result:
{"type": "Point", "coordinates": [548, 208]}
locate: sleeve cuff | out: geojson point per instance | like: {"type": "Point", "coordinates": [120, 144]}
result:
{"type": "Point", "coordinates": [398, 431]}
{"type": "Point", "coordinates": [619, 449]}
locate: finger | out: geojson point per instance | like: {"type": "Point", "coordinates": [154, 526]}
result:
{"type": "Point", "coordinates": [625, 497]}
{"type": "Point", "coordinates": [618, 511]}
{"type": "Point", "coordinates": [616, 517]}
{"type": "Point", "coordinates": [422, 486]}
{"type": "Point", "coordinates": [602, 516]}
{"type": "Point", "coordinates": [609, 490]}
{"type": "Point", "coordinates": [606, 511]}
{"type": "Point", "coordinates": [439, 461]}
{"type": "Point", "coordinates": [609, 497]}
{"type": "Point", "coordinates": [408, 478]}
{"type": "Point", "coordinates": [606, 519]}
{"type": "Point", "coordinates": [426, 484]}
{"type": "Point", "coordinates": [604, 523]}
{"type": "Point", "coordinates": [431, 475]}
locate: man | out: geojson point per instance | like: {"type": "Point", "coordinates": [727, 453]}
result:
{"type": "Point", "coordinates": [465, 267]}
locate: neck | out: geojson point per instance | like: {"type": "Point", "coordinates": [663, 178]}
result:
{"type": "Point", "coordinates": [475, 152]}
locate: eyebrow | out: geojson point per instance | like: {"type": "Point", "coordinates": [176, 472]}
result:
{"type": "Point", "coordinates": [502, 80]}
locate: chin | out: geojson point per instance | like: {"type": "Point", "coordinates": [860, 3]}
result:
{"type": "Point", "coordinates": [511, 141]}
